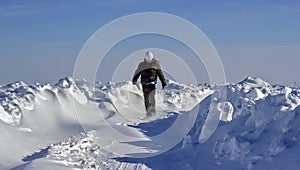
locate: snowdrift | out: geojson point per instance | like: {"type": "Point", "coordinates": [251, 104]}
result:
{"type": "Point", "coordinates": [76, 124]}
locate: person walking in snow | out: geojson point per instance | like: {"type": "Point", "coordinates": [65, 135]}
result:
{"type": "Point", "coordinates": [149, 70]}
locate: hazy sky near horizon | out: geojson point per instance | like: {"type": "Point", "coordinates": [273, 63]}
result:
{"type": "Point", "coordinates": [40, 40]}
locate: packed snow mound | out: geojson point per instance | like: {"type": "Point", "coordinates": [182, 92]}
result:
{"type": "Point", "coordinates": [249, 125]}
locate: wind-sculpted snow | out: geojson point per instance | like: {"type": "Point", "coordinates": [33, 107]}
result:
{"type": "Point", "coordinates": [249, 125]}
{"type": "Point", "coordinates": [265, 124]}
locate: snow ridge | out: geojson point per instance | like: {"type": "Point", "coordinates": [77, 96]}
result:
{"type": "Point", "coordinates": [258, 124]}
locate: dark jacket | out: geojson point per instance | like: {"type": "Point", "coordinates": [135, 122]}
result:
{"type": "Point", "coordinates": [149, 73]}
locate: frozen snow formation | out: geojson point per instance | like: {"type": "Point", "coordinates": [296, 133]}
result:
{"type": "Point", "coordinates": [248, 125]}
{"type": "Point", "coordinates": [82, 152]}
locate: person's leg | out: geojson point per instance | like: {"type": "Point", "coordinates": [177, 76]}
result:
{"type": "Point", "coordinates": [146, 97]}
{"type": "Point", "coordinates": [151, 111]}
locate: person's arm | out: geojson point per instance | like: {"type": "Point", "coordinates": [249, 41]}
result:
{"type": "Point", "coordinates": [161, 76]}
{"type": "Point", "coordinates": [136, 75]}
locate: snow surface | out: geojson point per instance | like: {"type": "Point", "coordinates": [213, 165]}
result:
{"type": "Point", "coordinates": [77, 125]}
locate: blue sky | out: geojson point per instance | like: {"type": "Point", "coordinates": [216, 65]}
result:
{"type": "Point", "coordinates": [40, 40]}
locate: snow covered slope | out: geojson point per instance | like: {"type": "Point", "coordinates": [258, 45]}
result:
{"type": "Point", "coordinates": [75, 124]}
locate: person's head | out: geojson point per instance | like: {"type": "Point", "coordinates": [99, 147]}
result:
{"type": "Point", "coordinates": [149, 57]}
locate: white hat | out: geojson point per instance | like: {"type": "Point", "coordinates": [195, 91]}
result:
{"type": "Point", "coordinates": [148, 56]}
